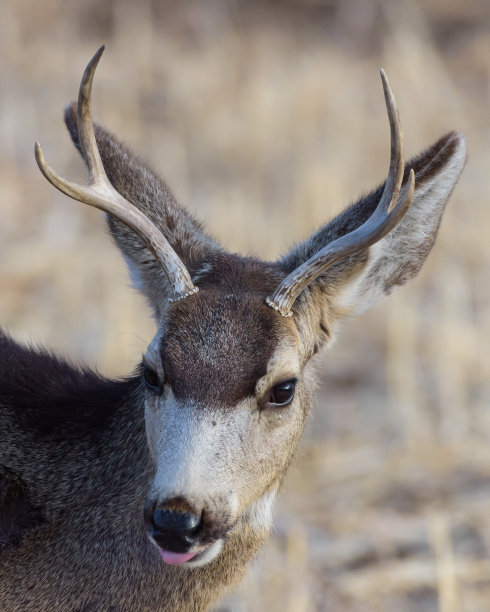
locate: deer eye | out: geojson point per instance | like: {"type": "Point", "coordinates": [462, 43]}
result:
{"type": "Point", "coordinates": [283, 393]}
{"type": "Point", "coordinates": [152, 381]}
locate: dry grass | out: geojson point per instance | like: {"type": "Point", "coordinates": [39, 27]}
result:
{"type": "Point", "coordinates": [266, 118]}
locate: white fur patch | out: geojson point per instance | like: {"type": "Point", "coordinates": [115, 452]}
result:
{"type": "Point", "coordinates": [260, 512]}
{"type": "Point", "coordinates": [134, 273]}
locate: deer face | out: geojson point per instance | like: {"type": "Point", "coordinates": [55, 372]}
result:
{"type": "Point", "coordinates": [226, 375]}
{"type": "Point", "coordinates": [225, 406]}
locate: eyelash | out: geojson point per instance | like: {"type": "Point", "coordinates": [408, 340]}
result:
{"type": "Point", "coordinates": [287, 389]}
{"type": "Point", "coordinates": [152, 381]}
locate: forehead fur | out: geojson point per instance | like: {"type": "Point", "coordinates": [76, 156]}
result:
{"type": "Point", "coordinates": [216, 346]}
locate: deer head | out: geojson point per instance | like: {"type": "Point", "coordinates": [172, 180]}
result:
{"type": "Point", "coordinates": [227, 377]}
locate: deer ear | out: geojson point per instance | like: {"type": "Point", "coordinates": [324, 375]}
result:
{"type": "Point", "coordinates": [138, 184]}
{"type": "Point", "coordinates": [360, 280]}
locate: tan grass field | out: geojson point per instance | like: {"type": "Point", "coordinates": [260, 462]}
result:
{"type": "Point", "coordinates": [266, 118]}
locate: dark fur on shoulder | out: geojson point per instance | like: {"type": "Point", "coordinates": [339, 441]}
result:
{"type": "Point", "coordinates": [17, 513]}
{"type": "Point", "coordinates": [43, 393]}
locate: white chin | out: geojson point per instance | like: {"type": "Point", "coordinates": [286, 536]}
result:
{"type": "Point", "coordinates": [206, 556]}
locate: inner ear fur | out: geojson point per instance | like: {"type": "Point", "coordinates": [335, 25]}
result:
{"type": "Point", "coordinates": [362, 279]}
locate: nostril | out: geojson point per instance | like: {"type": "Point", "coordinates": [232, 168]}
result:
{"type": "Point", "coordinates": [176, 522]}
{"type": "Point", "coordinates": [175, 530]}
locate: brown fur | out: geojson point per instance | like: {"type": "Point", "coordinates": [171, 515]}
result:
{"type": "Point", "coordinates": [239, 334]}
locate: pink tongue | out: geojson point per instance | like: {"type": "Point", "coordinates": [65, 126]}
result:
{"type": "Point", "coordinates": [174, 558]}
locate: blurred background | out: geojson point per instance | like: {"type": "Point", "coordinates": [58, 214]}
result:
{"type": "Point", "coordinates": [266, 118]}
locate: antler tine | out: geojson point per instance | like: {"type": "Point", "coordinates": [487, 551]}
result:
{"type": "Point", "coordinates": [389, 212]}
{"type": "Point", "coordinates": [101, 194]}
{"type": "Point", "coordinates": [85, 124]}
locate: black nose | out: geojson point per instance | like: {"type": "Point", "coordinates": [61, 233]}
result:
{"type": "Point", "coordinates": [175, 530]}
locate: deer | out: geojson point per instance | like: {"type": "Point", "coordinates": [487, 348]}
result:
{"type": "Point", "coordinates": [155, 492]}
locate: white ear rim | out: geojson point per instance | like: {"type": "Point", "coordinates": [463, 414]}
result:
{"type": "Point", "coordinates": [134, 273]}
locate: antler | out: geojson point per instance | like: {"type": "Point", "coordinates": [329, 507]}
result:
{"type": "Point", "coordinates": [388, 214]}
{"type": "Point", "coordinates": [101, 194]}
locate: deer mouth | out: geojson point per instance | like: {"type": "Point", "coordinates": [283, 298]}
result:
{"type": "Point", "coordinates": [173, 558]}
{"type": "Point", "coordinates": [191, 559]}
{"type": "Point", "coordinates": [183, 537]}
